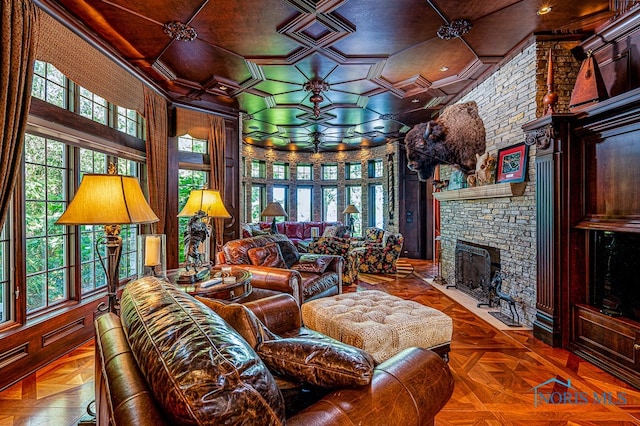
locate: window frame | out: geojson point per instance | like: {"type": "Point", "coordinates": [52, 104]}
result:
{"type": "Point", "coordinates": [325, 175]}
{"type": "Point", "coordinates": [298, 209]}
{"type": "Point", "coordinates": [325, 206]}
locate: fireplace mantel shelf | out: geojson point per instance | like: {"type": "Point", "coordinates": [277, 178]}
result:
{"type": "Point", "coordinates": [509, 189]}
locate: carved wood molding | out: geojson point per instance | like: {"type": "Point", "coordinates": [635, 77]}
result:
{"type": "Point", "coordinates": [508, 189]}
{"type": "Point", "coordinates": [541, 137]}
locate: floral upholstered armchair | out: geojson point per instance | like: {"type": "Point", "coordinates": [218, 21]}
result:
{"type": "Point", "coordinates": [371, 235]}
{"type": "Point", "coordinates": [340, 247]}
{"type": "Point", "coordinates": [377, 258]}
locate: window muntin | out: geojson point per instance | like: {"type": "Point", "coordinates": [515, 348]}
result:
{"type": "Point", "coordinates": [304, 172]}
{"type": "Point", "coordinates": [304, 206]}
{"type": "Point", "coordinates": [329, 203]}
{"type": "Point", "coordinates": [187, 180]}
{"type": "Point", "coordinates": [280, 171]}
{"type": "Point", "coordinates": [376, 168]}
{"type": "Point", "coordinates": [329, 172]}
{"type": "Point", "coordinates": [353, 171]}
{"type": "Point", "coordinates": [128, 121]}
{"type": "Point", "coordinates": [376, 206]}
{"type": "Point", "coordinates": [258, 169]}
{"type": "Point", "coordinates": [49, 84]}
{"type": "Point", "coordinates": [188, 143]}
{"type": "Point", "coordinates": [46, 243]}
{"type": "Point", "coordinates": [93, 106]}
{"type": "Point", "coordinates": [6, 308]}
{"type": "Point", "coordinates": [354, 196]}
{"type": "Point", "coordinates": [258, 202]}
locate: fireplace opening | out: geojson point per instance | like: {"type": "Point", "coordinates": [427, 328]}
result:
{"type": "Point", "coordinates": [615, 281]}
{"type": "Point", "coordinates": [476, 264]}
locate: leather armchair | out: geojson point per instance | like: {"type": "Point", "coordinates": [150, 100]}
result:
{"type": "Point", "coordinates": [302, 285]}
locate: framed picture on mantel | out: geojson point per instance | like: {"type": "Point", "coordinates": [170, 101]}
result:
{"type": "Point", "coordinates": [512, 164]}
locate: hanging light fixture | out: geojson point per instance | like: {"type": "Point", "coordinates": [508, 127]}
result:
{"type": "Point", "coordinates": [316, 87]}
{"type": "Point", "coordinates": [453, 29]}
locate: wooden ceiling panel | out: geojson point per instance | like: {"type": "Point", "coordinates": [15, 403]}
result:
{"type": "Point", "coordinates": [381, 58]}
{"type": "Point", "coordinates": [428, 58]}
{"type": "Point", "coordinates": [384, 28]}
{"type": "Point", "coordinates": [246, 28]}
{"type": "Point", "coordinates": [198, 62]}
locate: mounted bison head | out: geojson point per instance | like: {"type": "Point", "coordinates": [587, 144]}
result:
{"type": "Point", "coordinates": [454, 138]}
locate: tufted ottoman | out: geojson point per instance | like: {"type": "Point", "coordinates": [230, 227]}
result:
{"type": "Point", "coordinates": [379, 323]}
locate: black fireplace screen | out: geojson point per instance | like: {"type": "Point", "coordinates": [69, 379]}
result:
{"type": "Point", "coordinates": [473, 271]}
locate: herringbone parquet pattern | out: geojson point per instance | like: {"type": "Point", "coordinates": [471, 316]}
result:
{"type": "Point", "coordinates": [495, 375]}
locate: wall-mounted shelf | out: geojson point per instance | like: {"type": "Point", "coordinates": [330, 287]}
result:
{"type": "Point", "coordinates": [509, 189]}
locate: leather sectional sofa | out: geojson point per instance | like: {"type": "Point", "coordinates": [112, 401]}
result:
{"type": "Point", "coordinates": [169, 359]}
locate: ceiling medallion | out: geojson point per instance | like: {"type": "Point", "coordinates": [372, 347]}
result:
{"type": "Point", "coordinates": [454, 29]}
{"type": "Point", "coordinates": [316, 87]}
{"type": "Point", "coordinates": [179, 31]}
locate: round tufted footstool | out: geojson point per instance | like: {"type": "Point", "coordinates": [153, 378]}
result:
{"type": "Point", "coordinates": [379, 323]}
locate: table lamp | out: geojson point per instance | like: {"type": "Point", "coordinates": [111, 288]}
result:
{"type": "Point", "coordinates": [202, 205]}
{"type": "Point", "coordinates": [110, 200]}
{"type": "Point", "coordinates": [350, 210]}
{"type": "Point", "coordinates": [274, 209]}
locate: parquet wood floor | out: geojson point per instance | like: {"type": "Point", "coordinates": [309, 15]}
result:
{"type": "Point", "coordinates": [495, 375]}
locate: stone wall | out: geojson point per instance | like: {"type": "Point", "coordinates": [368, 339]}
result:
{"type": "Point", "coordinates": [341, 158]}
{"type": "Point", "coordinates": [507, 100]}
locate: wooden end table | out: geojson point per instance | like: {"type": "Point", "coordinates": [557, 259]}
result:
{"type": "Point", "coordinates": [224, 290]}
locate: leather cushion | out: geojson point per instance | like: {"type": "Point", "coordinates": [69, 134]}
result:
{"type": "Point", "coordinates": [289, 252]}
{"type": "Point", "coordinates": [199, 369]}
{"type": "Point", "coordinates": [327, 364]}
{"type": "Point", "coordinates": [312, 263]}
{"type": "Point", "coordinates": [268, 255]}
{"type": "Point", "coordinates": [241, 319]}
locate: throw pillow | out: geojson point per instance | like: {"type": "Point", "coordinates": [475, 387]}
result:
{"type": "Point", "coordinates": [268, 255]}
{"type": "Point", "coordinates": [321, 363]}
{"type": "Point", "coordinates": [241, 319]}
{"type": "Point", "coordinates": [289, 252]}
{"type": "Point", "coordinates": [312, 263]}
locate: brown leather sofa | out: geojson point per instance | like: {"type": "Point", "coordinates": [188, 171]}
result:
{"type": "Point", "coordinates": [303, 285]}
{"type": "Point", "coordinates": [169, 359]}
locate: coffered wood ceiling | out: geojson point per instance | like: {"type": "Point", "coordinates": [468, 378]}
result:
{"type": "Point", "coordinates": [386, 68]}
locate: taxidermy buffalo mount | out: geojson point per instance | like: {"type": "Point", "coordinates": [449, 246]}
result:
{"type": "Point", "coordinates": [454, 138]}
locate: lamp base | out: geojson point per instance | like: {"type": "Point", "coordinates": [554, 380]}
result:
{"type": "Point", "coordinates": [193, 276]}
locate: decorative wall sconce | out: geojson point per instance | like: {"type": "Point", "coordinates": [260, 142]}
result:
{"type": "Point", "coordinates": [316, 87]}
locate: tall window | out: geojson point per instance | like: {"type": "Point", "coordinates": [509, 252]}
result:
{"type": "Point", "coordinates": [258, 201]}
{"type": "Point", "coordinates": [329, 203]}
{"type": "Point", "coordinates": [5, 265]}
{"type": "Point", "coordinates": [303, 203]}
{"type": "Point", "coordinates": [304, 172]}
{"type": "Point", "coordinates": [281, 195]}
{"type": "Point", "coordinates": [187, 180]}
{"type": "Point", "coordinates": [376, 168]}
{"type": "Point", "coordinates": [49, 84]}
{"type": "Point", "coordinates": [353, 171]}
{"type": "Point", "coordinates": [280, 171]}
{"type": "Point", "coordinates": [258, 169]}
{"type": "Point", "coordinates": [45, 198]}
{"type": "Point", "coordinates": [354, 196]}
{"type": "Point", "coordinates": [329, 172]}
{"type": "Point", "coordinates": [376, 206]}
{"type": "Point", "coordinates": [128, 121]}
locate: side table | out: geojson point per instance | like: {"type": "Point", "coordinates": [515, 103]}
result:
{"type": "Point", "coordinates": [230, 291]}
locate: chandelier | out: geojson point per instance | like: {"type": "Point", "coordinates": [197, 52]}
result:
{"type": "Point", "coordinates": [315, 140]}
{"type": "Point", "coordinates": [179, 31]}
{"type": "Point", "coordinates": [316, 87]}
{"type": "Point", "coordinates": [454, 29]}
